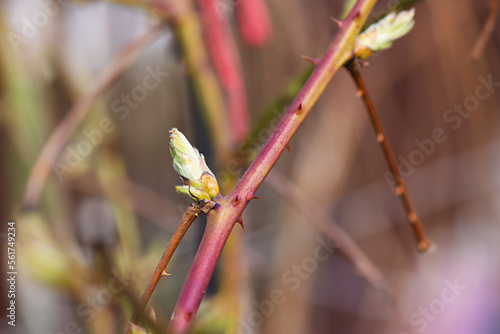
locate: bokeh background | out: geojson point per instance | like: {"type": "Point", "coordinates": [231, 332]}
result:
{"type": "Point", "coordinates": [87, 248]}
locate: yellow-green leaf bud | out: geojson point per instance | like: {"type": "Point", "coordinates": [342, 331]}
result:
{"type": "Point", "coordinates": [209, 185]}
{"type": "Point", "coordinates": [194, 193]}
{"type": "Point", "coordinates": [191, 166]}
{"type": "Point", "coordinates": [380, 35]}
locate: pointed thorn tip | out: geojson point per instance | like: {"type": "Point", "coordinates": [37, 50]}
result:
{"type": "Point", "coordinates": [337, 22]}
{"type": "Point", "coordinates": [164, 273]}
{"type": "Point", "coordinates": [312, 60]}
{"type": "Point", "coordinates": [240, 221]}
{"type": "Point", "coordinates": [299, 109]}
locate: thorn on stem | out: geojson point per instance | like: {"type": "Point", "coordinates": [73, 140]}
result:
{"type": "Point", "coordinates": [299, 109]}
{"type": "Point", "coordinates": [236, 200]}
{"type": "Point", "coordinates": [359, 93]}
{"type": "Point", "coordinates": [380, 137]}
{"type": "Point", "coordinates": [337, 22]}
{"type": "Point", "coordinates": [240, 221]}
{"type": "Point", "coordinates": [164, 273]}
{"type": "Point", "coordinates": [312, 60]}
{"type": "Point", "coordinates": [289, 149]}
{"type": "Point", "coordinates": [250, 196]}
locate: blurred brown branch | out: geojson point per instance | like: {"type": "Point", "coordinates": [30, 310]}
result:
{"type": "Point", "coordinates": [318, 217]}
{"type": "Point", "coordinates": [401, 190]}
{"type": "Point", "coordinates": [60, 136]}
{"type": "Point", "coordinates": [488, 28]}
{"type": "Point", "coordinates": [145, 202]}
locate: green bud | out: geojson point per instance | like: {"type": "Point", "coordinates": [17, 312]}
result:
{"type": "Point", "coordinates": [209, 185]}
{"type": "Point", "coordinates": [194, 193]}
{"type": "Point", "coordinates": [380, 35]}
{"type": "Point", "coordinates": [191, 166]}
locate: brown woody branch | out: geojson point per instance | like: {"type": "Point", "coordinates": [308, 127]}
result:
{"type": "Point", "coordinates": [401, 190]}
{"type": "Point", "coordinates": [192, 212]}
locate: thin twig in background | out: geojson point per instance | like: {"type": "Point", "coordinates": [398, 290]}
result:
{"type": "Point", "coordinates": [488, 28]}
{"type": "Point", "coordinates": [401, 190]}
{"type": "Point", "coordinates": [145, 202]}
{"type": "Point", "coordinates": [226, 60]}
{"type": "Point", "coordinates": [318, 217]}
{"type": "Point", "coordinates": [188, 218]}
{"type": "Point", "coordinates": [60, 136]}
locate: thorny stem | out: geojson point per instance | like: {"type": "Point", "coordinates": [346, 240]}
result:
{"type": "Point", "coordinates": [295, 84]}
{"type": "Point", "coordinates": [488, 28]}
{"type": "Point", "coordinates": [401, 190]}
{"type": "Point", "coordinates": [222, 218]}
{"type": "Point", "coordinates": [319, 218]}
{"type": "Point", "coordinates": [188, 218]}
{"type": "Point", "coordinates": [211, 97]}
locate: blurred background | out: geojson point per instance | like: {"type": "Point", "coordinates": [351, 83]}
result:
{"type": "Point", "coordinates": [86, 247]}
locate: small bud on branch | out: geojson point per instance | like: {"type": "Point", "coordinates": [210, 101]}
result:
{"type": "Point", "coordinates": [380, 36]}
{"type": "Point", "coordinates": [200, 182]}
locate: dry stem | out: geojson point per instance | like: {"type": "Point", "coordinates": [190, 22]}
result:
{"type": "Point", "coordinates": [188, 218]}
{"type": "Point", "coordinates": [488, 28]}
{"type": "Point", "coordinates": [401, 190]}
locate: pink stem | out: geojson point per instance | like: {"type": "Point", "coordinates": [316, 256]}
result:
{"type": "Point", "coordinates": [225, 57]}
{"type": "Point", "coordinates": [230, 208]}
{"type": "Point", "coordinates": [254, 22]}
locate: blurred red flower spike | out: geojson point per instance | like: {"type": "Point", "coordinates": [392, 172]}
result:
{"type": "Point", "coordinates": [254, 22]}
